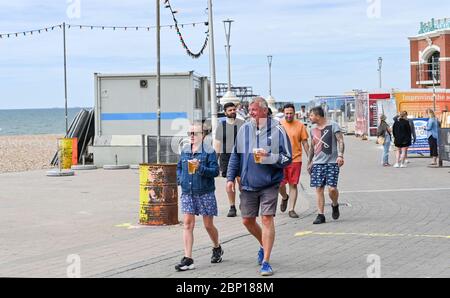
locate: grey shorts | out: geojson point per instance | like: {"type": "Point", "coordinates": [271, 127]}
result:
{"type": "Point", "coordinates": [253, 201]}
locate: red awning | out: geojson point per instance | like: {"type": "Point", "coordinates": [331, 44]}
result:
{"type": "Point", "coordinates": [380, 96]}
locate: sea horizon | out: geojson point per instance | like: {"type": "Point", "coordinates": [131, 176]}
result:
{"type": "Point", "coordinates": [40, 121]}
{"type": "Point", "coordinates": [53, 108]}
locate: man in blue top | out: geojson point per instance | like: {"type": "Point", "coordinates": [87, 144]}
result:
{"type": "Point", "coordinates": [261, 152]}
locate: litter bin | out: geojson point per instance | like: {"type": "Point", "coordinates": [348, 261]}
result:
{"type": "Point", "coordinates": [69, 152]}
{"type": "Point", "coordinates": [158, 194]}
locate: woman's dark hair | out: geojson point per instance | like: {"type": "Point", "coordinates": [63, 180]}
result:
{"type": "Point", "coordinates": [318, 111]}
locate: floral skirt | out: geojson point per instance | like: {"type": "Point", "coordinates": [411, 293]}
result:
{"type": "Point", "coordinates": [204, 205]}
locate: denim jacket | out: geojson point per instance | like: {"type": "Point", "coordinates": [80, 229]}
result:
{"type": "Point", "coordinates": [202, 182]}
{"type": "Point", "coordinates": [432, 128]}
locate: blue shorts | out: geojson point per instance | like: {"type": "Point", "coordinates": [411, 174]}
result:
{"type": "Point", "coordinates": [325, 175]}
{"type": "Point", "coordinates": [204, 205]}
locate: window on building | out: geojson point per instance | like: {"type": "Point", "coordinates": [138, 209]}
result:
{"type": "Point", "coordinates": [434, 67]}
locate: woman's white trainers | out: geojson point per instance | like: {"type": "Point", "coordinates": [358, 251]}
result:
{"type": "Point", "coordinates": [396, 165]}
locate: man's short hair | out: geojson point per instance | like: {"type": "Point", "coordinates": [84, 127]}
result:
{"type": "Point", "coordinates": [289, 106]}
{"type": "Point", "coordinates": [261, 101]}
{"type": "Point", "coordinates": [228, 105]}
{"type": "Point", "coordinates": [318, 111]}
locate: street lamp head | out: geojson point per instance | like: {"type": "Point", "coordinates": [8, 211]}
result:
{"type": "Point", "coordinates": [270, 58]}
{"type": "Point", "coordinates": [380, 62]}
{"type": "Point", "coordinates": [227, 24]}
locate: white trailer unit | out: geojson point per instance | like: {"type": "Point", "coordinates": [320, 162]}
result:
{"type": "Point", "coordinates": [125, 110]}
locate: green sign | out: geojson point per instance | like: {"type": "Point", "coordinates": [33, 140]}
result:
{"type": "Point", "coordinates": [434, 25]}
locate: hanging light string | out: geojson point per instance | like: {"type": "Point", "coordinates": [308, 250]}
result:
{"type": "Point", "coordinates": [30, 32]}
{"type": "Point", "coordinates": [136, 28]}
{"type": "Point", "coordinates": [71, 26]}
{"type": "Point", "coordinates": [183, 43]}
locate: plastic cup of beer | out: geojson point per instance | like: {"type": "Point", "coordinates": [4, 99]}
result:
{"type": "Point", "coordinates": [192, 166]}
{"type": "Point", "coordinates": [257, 156]}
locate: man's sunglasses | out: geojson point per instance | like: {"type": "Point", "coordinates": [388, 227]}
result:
{"type": "Point", "coordinates": [194, 133]}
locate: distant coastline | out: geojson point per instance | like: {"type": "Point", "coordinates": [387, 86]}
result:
{"type": "Point", "coordinates": [44, 121]}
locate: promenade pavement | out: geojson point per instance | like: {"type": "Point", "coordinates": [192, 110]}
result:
{"type": "Point", "coordinates": [399, 217]}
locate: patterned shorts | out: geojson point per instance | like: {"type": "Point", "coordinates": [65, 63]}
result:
{"type": "Point", "coordinates": [204, 205]}
{"type": "Point", "coordinates": [325, 174]}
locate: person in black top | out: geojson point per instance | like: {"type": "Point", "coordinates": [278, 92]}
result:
{"type": "Point", "coordinates": [224, 142]}
{"type": "Point", "coordinates": [402, 138]}
{"type": "Point", "coordinates": [413, 135]}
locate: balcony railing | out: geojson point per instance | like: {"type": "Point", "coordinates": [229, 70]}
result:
{"type": "Point", "coordinates": [429, 74]}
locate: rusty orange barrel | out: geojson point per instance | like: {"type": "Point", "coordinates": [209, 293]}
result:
{"type": "Point", "coordinates": [158, 194]}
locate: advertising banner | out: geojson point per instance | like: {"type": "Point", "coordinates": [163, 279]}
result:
{"type": "Point", "coordinates": [373, 117]}
{"type": "Point", "coordinates": [416, 103]}
{"type": "Point", "coordinates": [421, 146]}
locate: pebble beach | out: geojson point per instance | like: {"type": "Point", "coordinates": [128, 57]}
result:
{"type": "Point", "coordinates": [27, 152]}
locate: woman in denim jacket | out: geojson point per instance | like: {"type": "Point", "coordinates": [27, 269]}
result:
{"type": "Point", "coordinates": [198, 197]}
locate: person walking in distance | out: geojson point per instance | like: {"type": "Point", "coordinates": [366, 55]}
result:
{"type": "Point", "coordinates": [385, 132]}
{"type": "Point", "coordinates": [402, 139]}
{"type": "Point", "coordinates": [196, 171]}
{"type": "Point", "coordinates": [413, 135]}
{"type": "Point", "coordinates": [261, 152]}
{"type": "Point", "coordinates": [303, 115]}
{"type": "Point", "coordinates": [298, 137]}
{"type": "Point", "coordinates": [326, 157]}
{"type": "Point", "coordinates": [226, 133]}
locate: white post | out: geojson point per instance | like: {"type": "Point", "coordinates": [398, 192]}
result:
{"type": "Point", "coordinates": [380, 64]}
{"type": "Point", "coordinates": [212, 63]}
{"type": "Point", "coordinates": [158, 80]}
{"type": "Point", "coordinates": [227, 25]}
{"type": "Point", "coordinates": [65, 80]}
{"type": "Point", "coordinates": [269, 59]}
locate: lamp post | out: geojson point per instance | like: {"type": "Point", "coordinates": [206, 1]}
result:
{"type": "Point", "coordinates": [65, 80]}
{"type": "Point", "coordinates": [212, 64]}
{"type": "Point", "coordinates": [158, 81]}
{"type": "Point", "coordinates": [270, 100]}
{"type": "Point", "coordinates": [227, 26]}
{"type": "Point", "coordinates": [229, 96]}
{"type": "Point", "coordinates": [380, 65]}
{"type": "Point", "coordinates": [269, 59]}
{"type": "Point", "coordinates": [434, 75]}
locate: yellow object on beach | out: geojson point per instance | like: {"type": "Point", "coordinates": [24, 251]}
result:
{"type": "Point", "coordinates": [66, 147]}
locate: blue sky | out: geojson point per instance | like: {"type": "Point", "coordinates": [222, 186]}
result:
{"type": "Point", "coordinates": [320, 47]}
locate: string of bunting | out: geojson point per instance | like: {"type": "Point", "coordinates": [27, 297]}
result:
{"type": "Point", "coordinates": [92, 27]}
{"type": "Point", "coordinates": [183, 43]}
{"type": "Point", "coordinates": [30, 32]}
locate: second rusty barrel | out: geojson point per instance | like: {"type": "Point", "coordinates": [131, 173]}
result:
{"type": "Point", "coordinates": [158, 194]}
